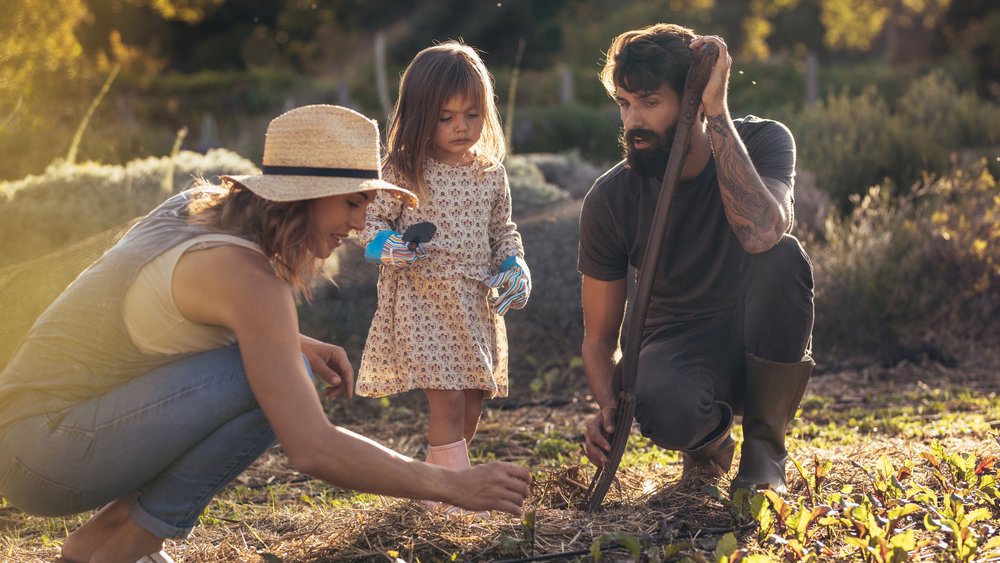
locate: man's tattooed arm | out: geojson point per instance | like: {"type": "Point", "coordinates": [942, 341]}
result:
{"type": "Point", "coordinates": [759, 210]}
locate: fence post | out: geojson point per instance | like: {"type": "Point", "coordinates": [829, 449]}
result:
{"type": "Point", "coordinates": [380, 71]}
{"type": "Point", "coordinates": [812, 78]}
{"type": "Point", "coordinates": [208, 135]}
{"type": "Point", "coordinates": [565, 84]}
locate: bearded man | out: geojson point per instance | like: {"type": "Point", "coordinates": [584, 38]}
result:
{"type": "Point", "coordinates": [730, 318]}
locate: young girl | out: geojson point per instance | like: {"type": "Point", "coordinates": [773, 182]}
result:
{"type": "Point", "coordinates": [437, 328]}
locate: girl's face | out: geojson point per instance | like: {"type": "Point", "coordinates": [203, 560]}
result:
{"type": "Point", "coordinates": [335, 216]}
{"type": "Point", "coordinates": [458, 129]}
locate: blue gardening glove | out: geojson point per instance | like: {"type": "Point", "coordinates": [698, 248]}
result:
{"type": "Point", "coordinates": [513, 284]}
{"type": "Point", "coordinates": [388, 249]}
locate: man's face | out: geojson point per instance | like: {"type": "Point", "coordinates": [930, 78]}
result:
{"type": "Point", "coordinates": [649, 120]}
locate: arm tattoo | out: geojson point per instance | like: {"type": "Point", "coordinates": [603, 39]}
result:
{"type": "Point", "coordinates": [754, 213]}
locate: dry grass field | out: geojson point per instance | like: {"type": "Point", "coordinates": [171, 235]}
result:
{"type": "Point", "coordinates": [897, 463]}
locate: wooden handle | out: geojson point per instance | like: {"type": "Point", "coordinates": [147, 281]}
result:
{"type": "Point", "coordinates": [703, 61]}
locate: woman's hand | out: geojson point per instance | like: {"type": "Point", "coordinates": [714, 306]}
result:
{"type": "Point", "coordinates": [330, 363]}
{"type": "Point", "coordinates": [490, 486]}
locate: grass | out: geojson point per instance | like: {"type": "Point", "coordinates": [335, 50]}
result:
{"type": "Point", "coordinates": [880, 456]}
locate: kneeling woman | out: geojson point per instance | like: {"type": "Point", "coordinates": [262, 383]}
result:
{"type": "Point", "coordinates": [175, 360]}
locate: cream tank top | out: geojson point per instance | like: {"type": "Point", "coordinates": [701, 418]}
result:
{"type": "Point", "coordinates": [152, 319]}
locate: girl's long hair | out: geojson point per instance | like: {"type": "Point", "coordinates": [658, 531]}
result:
{"type": "Point", "coordinates": [284, 230]}
{"type": "Point", "coordinates": [436, 75]}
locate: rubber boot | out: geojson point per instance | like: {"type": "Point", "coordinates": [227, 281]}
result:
{"type": "Point", "coordinates": [773, 392]}
{"type": "Point", "coordinates": [711, 459]}
{"type": "Point", "coordinates": [453, 456]}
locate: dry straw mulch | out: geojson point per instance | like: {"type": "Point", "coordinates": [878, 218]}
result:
{"type": "Point", "coordinates": [273, 513]}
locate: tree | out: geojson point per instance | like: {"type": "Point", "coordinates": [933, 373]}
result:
{"type": "Point", "coordinates": [854, 24]}
{"type": "Point", "coordinates": [189, 11]}
{"type": "Point", "coordinates": [37, 44]}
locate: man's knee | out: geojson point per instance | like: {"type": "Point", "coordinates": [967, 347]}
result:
{"type": "Point", "coordinates": [786, 261]}
{"type": "Point", "coordinates": [675, 420]}
{"type": "Point", "coordinates": [779, 304]}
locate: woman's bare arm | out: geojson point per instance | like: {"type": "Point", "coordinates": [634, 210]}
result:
{"type": "Point", "coordinates": [235, 287]}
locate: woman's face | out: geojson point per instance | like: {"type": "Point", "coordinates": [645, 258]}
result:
{"type": "Point", "coordinates": [335, 217]}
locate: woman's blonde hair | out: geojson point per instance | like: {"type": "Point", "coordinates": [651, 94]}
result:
{"type": "Point", "coordinates": [436, 75]}
{"type": "Point", "coordinates": [284, 230]}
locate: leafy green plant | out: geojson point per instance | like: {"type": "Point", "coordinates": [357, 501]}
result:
{"type": "Point", "coordinates": [889, 522]}
{"type": "Point", "coordinates": [899, 265]}
{"type": "Point", "coordinates": [604, 542]}
{"type": "Point", "coordinates": [853, 141]}
{"type": "Point", "coordinates": [554, 374]}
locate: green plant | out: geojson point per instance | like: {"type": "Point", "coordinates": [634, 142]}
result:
{"type": "Point", "coordinates": [554, 374]}
{"type": "Point", "coordinates": [68, 203]}
{"type": "Point", "coordinates": [568, 170]}
{"type": "Point", "coordinates": [900, 265]}
{"type": "Point", "coordinates": [881, 525]}
{"type": "Point", "coordinates": [528, 188]}
{"type": "Point", "coordinates": [591, 130]}
{"type": "Point", "coordinates": [852, 141]}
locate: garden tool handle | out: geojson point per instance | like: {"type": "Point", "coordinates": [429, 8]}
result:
{"type": "Point", "coordinates": [703, 61]}
{"type": "Point", "coordinates": [694, 86]}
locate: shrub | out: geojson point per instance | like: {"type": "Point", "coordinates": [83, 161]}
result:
{"type": "Point", "coordinates": [934, 108]}
{"type": "Point", "coordinates": [849, 142]}
{"type": "Point", "coordinates": [550, 329]}
{"type": "Point", "coordinates": [853, 142]}
{"type": "Point", "coordinates": [592, 131]}
{"type": "Point", "coordinates": [908, 271]}
{"type": "Point", "coordinates": [528, 188]}
{"type": "Point", "coordinates": [567, 170]}
{"type": "Point", "coordinates": [68, 203]}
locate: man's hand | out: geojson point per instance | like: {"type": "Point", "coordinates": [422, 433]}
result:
{"type": "Point", "coordinates": [598, 432]}
{"type": "Point", "coordinates": [330, 363]}
{"type": "Point", "coordinates": [714, 97]}
{"type": "Point", "coordinates": [491, 486]}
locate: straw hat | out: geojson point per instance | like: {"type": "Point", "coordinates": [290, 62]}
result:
{"type": "Point", "coordinates": [317, 151]}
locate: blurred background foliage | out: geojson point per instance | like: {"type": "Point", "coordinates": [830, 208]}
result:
{"type": "Point", "coordinates": [893, 104]}
{"type": "Point", "coordinates": [224, 68]}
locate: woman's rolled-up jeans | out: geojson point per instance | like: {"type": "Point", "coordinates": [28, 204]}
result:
{"type": "Point", "coordinates": [175, 435]}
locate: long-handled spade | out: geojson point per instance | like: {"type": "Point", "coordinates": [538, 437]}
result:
{"type": "Point", "coordinates": [701, 68]}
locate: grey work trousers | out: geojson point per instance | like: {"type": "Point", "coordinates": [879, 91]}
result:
{"type": "Point", "coordinates": [685, 369]}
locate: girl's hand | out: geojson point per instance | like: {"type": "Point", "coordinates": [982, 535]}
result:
{"type": "Point", "coordinates": [514, 283]}
{"type": "Point", "coordinates": [491, 486]}
{"type": "Point", "coordinates": [330, 363]}
{"type": "Point", "coordinates": [389, 249]}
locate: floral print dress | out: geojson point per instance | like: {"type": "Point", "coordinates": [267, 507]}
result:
{"type": "Point", "coordinates": [434, 328]}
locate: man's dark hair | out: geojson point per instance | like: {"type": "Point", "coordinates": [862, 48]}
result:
{"type": "Point", "coordinates": [642, 59]}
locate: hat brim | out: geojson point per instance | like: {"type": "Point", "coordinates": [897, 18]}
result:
{"type": "Point", "coordinates": [279, 187]}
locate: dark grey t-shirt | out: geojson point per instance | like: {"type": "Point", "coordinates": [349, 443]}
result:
{"type": "Point", "coordinates": [698, 271]}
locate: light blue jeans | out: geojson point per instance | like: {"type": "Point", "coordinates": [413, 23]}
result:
{"type": "Point", "coordinates": [176, 435]}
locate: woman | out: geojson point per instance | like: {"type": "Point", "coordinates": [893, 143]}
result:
{"type": "Point", "coordinates": [175, 360]}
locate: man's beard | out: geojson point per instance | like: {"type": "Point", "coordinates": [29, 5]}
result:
{"type": "Point", "coordinates": [651, 161]}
